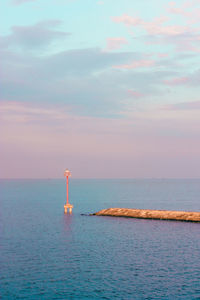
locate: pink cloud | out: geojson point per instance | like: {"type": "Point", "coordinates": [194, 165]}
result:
{"type": "Point", "coordinates": [135, 94]}
{"type": "Point", "coordinates": [20, 112]}
{"type": "Point", "coordinates": [192, 15]}
{"type": "Point", "coordinates": [115, 43]}
{"type": "Point", "coordinates": [136, 64]}
{"type": "Point", "coordinates": [185, 37]}
{"type": "Point", "coordinates": [154, 27]}
{"type": "Point", "coordinates": [178, 10]}
{"type": "Point", "coordinates": [176, 81]}
{"type": "Point", "coordinates": [162, 55]}
{"type": "Point", "coordinates": [18, 2]}
{"type": "Point", "coordinates": [127, 20]}
{"type": "Point", "coordinates": [184, 106]}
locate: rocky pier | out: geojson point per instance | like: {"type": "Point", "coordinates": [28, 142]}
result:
{"type": "Point", "coordinates": [150, 214]}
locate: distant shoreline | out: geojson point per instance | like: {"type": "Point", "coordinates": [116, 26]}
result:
{"type": "Point", "coordinates": [150, 214]}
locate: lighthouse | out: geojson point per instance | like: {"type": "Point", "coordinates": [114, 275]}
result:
{"type": "Point", "coordinates": [67, 206]}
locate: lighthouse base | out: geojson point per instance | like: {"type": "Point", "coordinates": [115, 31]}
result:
{"type": "Point", "coordinates": [68, 206]}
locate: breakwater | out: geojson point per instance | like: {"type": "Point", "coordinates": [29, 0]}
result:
{"type": "Point", "coordinates": [150, 214]}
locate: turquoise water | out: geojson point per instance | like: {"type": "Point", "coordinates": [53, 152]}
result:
{"type": "Point", "coordinates": [45, 254]}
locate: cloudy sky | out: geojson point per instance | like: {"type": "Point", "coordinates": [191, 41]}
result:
{"type": "Point", "coordinates": [106, 88]}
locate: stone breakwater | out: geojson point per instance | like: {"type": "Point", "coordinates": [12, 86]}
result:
{"type": "Point", "coordinates": [150, 214]}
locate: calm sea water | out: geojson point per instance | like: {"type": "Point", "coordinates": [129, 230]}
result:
{"type": "Point", "coordinates": [45, 254]}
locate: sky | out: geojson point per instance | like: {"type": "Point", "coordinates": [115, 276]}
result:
{"type": "Point", "coordinates": [106, 88]}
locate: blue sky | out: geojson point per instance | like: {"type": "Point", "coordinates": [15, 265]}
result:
{"type": "Point", "coordinates": [94, 83]}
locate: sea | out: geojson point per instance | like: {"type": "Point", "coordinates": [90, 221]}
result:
{"type": "Point", "coordinates": [46, 254]}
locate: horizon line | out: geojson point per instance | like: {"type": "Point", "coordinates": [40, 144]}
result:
{"type": "Point", "coordinates": [54, 178]}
